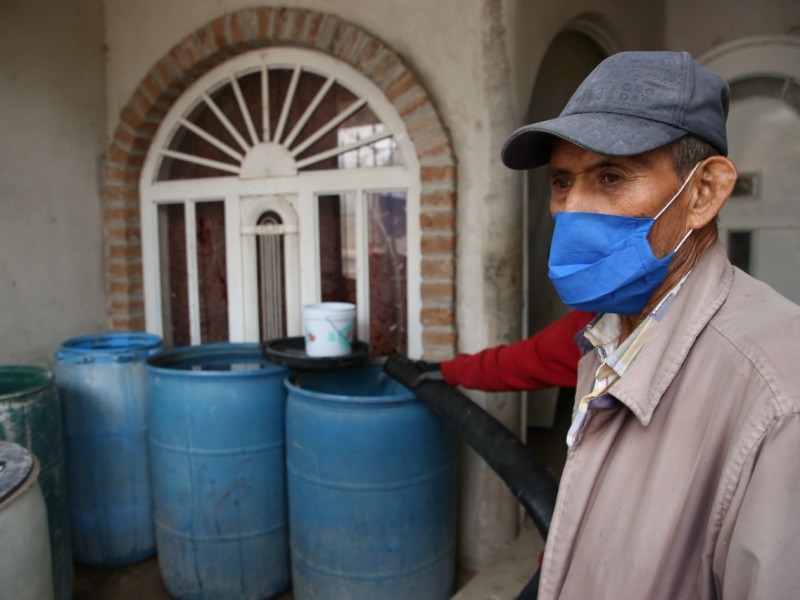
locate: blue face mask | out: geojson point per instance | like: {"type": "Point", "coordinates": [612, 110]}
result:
{"type": "Point", "coordinates": [604, 263]}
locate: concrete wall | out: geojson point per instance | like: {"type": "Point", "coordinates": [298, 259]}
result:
{"type": "Point", "coordinates": [53, 124]}
{"type": "Point", "coordinates": [698, 27]}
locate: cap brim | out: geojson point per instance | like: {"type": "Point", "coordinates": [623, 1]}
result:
{"type": "Point", "coordinates": [603, 133]}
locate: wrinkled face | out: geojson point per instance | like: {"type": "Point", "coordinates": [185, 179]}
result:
{"type": "Point", "coordinates": [633, 186]}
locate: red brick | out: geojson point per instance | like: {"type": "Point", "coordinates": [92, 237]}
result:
{"type": "Point", "coordinates": [127, 323]}
{"type": "Point", "coordinates": [439, 220]}
{"type": "Point", "coordinates": [125, 287]}
{"type": "Point", "coordinates": [313, 23]}
{"type": "Point", "coordinates": [128, 305]}
{"type": "Point", "coordinates": [438, 267]}
{"type": "Point", "coordinates": [437, 354]}
{"type": "Point", "coordinates": [131, 117]}
{"type": "Point", "coordinates": [121, 175]}
{"type": "Point", "coordinates": [205, 41]}
{"type": "Point", "coordinates": [119, 155]}
{"type": "Point", "coordinates": [438, 173]}
{"type": "Point", "coordinates": [237, 30]}
{"type": "Point", "coordinates": [438, 291]}
{"type": "Point", "coordinates": [121, 213]}
{"type": "Point", "coordinates": [437, 315]}
{"type": "Point", "coordinates": [127, 232]}
{"type": "Point", "coordinates": [263, 16]}
{"type": "Point", "coordinates": [432, 244]}
{"type": "Point", "coordinates": [125, 251]}
{"type": "Point", "coordinates": [401, 85]}
{"type": "Point", "coordinates": [123, 269]}
{"type": "Point", "coordinates": [439, 199]}
{"type": "Point", "coordinates": [439, 337]}
{"type": "Point", "coordinates": [219, 31]}
{"type": "Point", "coordinates": [120, 193]}
{"type": "Point", "coordinates": [191, 53]}
{"type": "Point", "coordinates": [144, 104]}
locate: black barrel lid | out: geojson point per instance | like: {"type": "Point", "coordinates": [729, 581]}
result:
{"type": "Point", "coordinates": [291, 352]}
{"type": "Point", "coordinates": [16, 464]}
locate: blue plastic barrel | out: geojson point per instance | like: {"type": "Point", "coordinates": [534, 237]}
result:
{"type": "Point", "coordinates": [30, 415]}
{"type": "Point", "coordinates": [218, 471]}
{"type": "Point", "coordinates": [371, 489]}
{"type": "Point", "coordinates": [102, 385]}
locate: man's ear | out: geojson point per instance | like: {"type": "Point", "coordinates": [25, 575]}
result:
{"type": "Point", "coordinates": [714, 183]}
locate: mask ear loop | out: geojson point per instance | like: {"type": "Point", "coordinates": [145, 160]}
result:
{"type": "Point", "coordinates": [668, 204]}
{"type": "Point", "coordinates": [686, 237]}
{"type": "Point", "coordinates": [678, 193]}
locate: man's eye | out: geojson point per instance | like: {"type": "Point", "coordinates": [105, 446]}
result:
{"type": "Point", "coordinates": [559, 183]}
{"type": "Point", "coordinates": [610, 178]}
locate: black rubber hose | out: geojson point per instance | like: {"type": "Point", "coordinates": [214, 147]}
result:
{"type": "Point", "coordinates": [532, 483]}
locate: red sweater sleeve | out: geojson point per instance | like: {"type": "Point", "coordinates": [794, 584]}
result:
{"type": "Point", "coordinates": [547, 359]}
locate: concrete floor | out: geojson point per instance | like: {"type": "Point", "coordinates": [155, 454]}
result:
{"type": "Point", "coordinates": [503, 579]}
{"type": "Point", "coordinates": [141, 581]}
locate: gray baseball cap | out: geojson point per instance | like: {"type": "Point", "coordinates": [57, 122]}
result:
{"type": "Point", "coordinates": [631, 103]}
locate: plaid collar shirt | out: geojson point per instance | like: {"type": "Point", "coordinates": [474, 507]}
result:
{"type": "Point", "coordinates": [603, 334]}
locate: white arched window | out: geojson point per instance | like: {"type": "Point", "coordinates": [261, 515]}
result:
{"type": "Point", "coordinates": [280, 178]}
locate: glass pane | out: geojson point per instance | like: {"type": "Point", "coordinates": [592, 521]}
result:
{"type": "Point", "coordinates": [308, 85]}
{"type": "Point", "coordinates": [337, 248]}
{"type": "Point", "coordinates": [380, 153]}
{"type": "Point", "coordinates": [358, 127]}
{"type": "Point", "coordinates": [189, 142]}
{"type": "Point", "coordinates": [172, 270]}
{"type": "Point", "coordinates": [271, 281]}
{"type": "Point", "coordinates": [211, 271]}
{"type": "Point", "coordinates": [739, 246]}
{"type": "Point", "coordinates": [386, 218]}
{"type": "Point", "coordinates": [318, 118]}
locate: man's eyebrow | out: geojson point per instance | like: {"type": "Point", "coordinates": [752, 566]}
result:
{"type": "Point", "coordinates": [559, 171]}
{"type": "Point", "coordinates": [603, 163]}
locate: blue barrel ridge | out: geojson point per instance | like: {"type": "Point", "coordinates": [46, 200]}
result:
{"type": "Point", "coordinates": [370, 473]}
{"type": "Point", "coordinates": [217, 448]}
{"type": "Point", "coordinates": [102, 386]}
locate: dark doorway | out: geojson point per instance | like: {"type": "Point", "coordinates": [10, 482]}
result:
{"type": "Point", "coordinates": [569, 59]}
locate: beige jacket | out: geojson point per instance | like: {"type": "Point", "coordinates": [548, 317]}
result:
{"type": "Point", "coordinates": [689, 486]}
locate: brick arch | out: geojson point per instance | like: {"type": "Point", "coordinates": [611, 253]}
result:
{"type": "Point", "coordinates": [242, 31]}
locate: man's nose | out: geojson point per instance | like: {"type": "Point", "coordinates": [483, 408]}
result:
{"type": "Point", "coordinates": [576, 199]}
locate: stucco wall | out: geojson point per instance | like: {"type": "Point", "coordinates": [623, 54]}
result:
{"type": "Point", "coordinates": [53, 124]}
{"type": "Point", "coordinates": [698, 27]}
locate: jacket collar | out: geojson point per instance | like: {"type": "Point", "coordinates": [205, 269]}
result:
{"type": "Point", "coordinates": [662, 356]}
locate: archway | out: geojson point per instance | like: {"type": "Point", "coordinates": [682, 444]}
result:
{"type": "Point", "coordinates": [240, 32]}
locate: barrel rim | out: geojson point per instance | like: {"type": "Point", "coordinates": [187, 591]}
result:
{"type": "Point", "coordinates": [159, 362]}
{"type": "Point", "coordinates": [88, 344]}
{"type": "Point", "coordinates": [46, 382]}
{"type": "Point", "coordinates": [406, 396]}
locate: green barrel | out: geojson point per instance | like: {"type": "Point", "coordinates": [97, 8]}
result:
{"type": "Point", "coordinates": [30, 415]}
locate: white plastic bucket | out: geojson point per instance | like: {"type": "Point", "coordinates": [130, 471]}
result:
{"type": "Point", "coordinates": [330, 328]}
{"type": "Point", "coordinates": [26, 570]}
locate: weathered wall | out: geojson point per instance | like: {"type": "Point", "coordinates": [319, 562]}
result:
{"type": "Point", "coordinates": [53, 124]}
{"type": "Point", "coordinates": [697, 27]}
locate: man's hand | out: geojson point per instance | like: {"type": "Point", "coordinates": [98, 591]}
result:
{"type": "Point", "coordinates": [431, 371]}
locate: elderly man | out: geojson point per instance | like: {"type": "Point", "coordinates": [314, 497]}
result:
{"type": "Point", "coordinates": [683, 472]}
